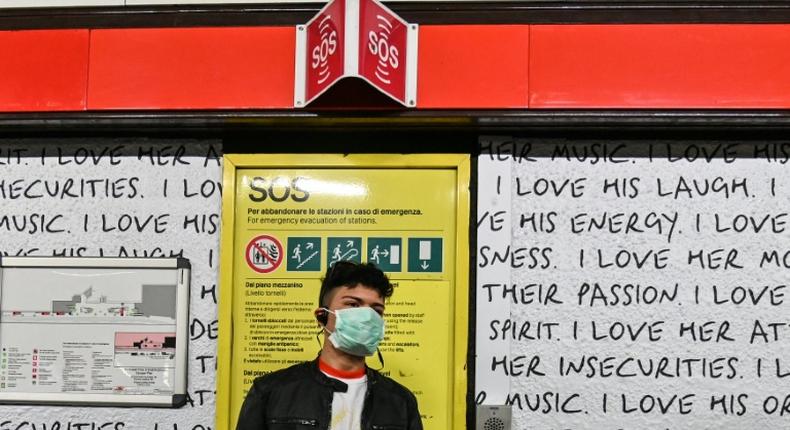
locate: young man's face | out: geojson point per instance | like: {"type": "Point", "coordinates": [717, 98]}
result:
{"type": "Point", "coordinates": [353, 297]}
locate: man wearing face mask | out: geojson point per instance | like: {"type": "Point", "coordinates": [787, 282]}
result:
{"type": "Point", "coordinates": [337, 391]}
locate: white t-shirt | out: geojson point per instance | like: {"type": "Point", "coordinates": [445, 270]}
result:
{"type": "Point", "coordinates": [347, 407]}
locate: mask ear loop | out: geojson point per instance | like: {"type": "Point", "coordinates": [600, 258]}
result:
{"type": "Point", "coordinates": [320, 346]}
{"type": "Point", "coordinates": [318, 334]}
{"type": "Point", "coordinates": [381, 359]}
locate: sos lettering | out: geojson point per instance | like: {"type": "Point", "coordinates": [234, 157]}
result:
{"type": "Point", "coordinates": [322, 51]}
{"type": "Point", "coordinates": [387, 54]}
{"type": "Point", "coordinates": [278, 189]}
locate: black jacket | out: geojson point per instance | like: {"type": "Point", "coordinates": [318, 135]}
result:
{"type": "Point", "coordinates": [300, 398]}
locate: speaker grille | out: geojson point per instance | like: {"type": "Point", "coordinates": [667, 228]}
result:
{"type": "Point", "coordinates": [494, 423]}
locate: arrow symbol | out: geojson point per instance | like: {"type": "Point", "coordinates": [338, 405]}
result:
{"type": "Point", "coordinates": [349, 243]}
{"type": "Point", "coordinates": [309, 245]}
{"type": "Point", "coordinates": [385, 253]}
{"type": "Point", "coordinates": [424, 265]}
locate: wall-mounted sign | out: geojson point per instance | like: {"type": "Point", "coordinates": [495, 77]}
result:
{"type": "Point", "coordinates": [325, 48]}
{"type": "Point", "coordinates": [98, 331]}
{"type": "Point", "coordinates": [315, 210]}
{"type": "Point", "coordinates": [360, 39]}
{"type": "Point", "coordinates": [382, 48]}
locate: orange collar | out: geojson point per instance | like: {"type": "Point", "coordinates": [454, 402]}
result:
{"type": "Point", "coordinates": [337, 373]}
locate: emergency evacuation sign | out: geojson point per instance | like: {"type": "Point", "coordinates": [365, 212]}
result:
{"type": "Point", "coordinates": [360, 39]}
{"type": "Point", "coordinates": [287, 219]}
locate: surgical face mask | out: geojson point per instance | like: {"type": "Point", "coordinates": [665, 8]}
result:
{"type": "Point", "coordinates": [358, 331]}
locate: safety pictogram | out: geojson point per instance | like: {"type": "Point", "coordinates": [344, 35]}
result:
{"type": "Point", "coordinates": [344, 249]}
{"type": "Point", "coordinates": [385, 252]}
{"type": "Point", "coordinates": [425, 254]}
{"type": "Point", "coordinates": [304, 254]}
{"type": "Point", "coordinates": [264, 253]}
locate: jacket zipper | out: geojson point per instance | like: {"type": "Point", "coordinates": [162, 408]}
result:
{"type": "Point", "coordinates": [364, 419]}
{"type": "Point", "coordinates": [329, 410]}
{"type": "Point", "coordinates": [302, 421]}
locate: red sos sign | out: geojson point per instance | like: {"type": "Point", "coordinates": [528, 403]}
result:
{"type": "Point", "coordinates": [358, 39]}
{"type": "Point", "coordinates": [322, 52]}
{"type": "Point", "coordinates": [324, 34]}
{"type": "Point", "coordinates": [378, 44]}
{"type": "Point", "coordinates": [383, 47]}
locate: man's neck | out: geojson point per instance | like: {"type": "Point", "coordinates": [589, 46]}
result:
{"type": "Point", "coordinates": [340, 360]}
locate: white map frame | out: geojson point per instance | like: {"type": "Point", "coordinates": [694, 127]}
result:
{"type": "Point", "coordinates": [51, 269]}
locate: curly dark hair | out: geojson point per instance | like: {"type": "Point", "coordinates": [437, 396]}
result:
{"type": "Point", "coordinates": [348, 274]}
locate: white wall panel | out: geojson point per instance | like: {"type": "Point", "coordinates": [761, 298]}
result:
{"type": "Point", "coordinates": [105, 197]}
{"type": "Point", "coordinates": [672, 304]}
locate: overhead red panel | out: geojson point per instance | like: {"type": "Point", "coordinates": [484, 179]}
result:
{"type": "Point", "coordinates": [464, 66]}
{"type": "Point", "coordinates": [192, 68]}
{"type": "Point", "coordinates": [473, 66]}
{"type": "Point", "coordinates": [660, 66]}
{"type": "Point", "coordinates": [43, 70]}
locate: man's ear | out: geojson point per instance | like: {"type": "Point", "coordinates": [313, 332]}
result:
{"type": "Point", "coordinates": [322, 316]}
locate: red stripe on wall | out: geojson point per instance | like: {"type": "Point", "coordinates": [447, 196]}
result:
{"type": "Point", "coordinates": [660, 66]}
{"type": "Point", "coordinates": [43, 70]}
{"type": "Point", "coordinates": [473, 66]}
{"type": "Point", "coordinates": [192, 68]}
{"type": "Point", "coordinates": [483, 66]}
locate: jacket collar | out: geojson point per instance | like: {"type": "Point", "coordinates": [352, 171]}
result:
{"type": "Point", "coordinates": [372, 377]}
